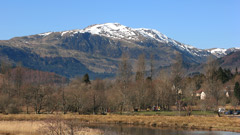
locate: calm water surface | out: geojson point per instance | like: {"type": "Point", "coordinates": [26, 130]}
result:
{"type": "Point", "coordinates": [137, 130]}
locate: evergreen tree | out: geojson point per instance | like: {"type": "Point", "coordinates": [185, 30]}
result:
{"type": "Point", "coordinates": [86, 79]}
{"type": "Point", "coordinates": [223, 74]}
{"type": "Point", "coordinates": [229, 74]}
{"type": "Point", "coordinates": [237, 90]}
{"type": "Point", "coordinates": [139, 76]}
{"type": "Point", "coordinates": [236, 71]}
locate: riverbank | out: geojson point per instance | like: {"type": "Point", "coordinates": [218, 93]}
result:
{"type": "Point", "coordinates": [176, 122]}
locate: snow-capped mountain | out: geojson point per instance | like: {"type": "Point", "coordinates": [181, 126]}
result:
{"type": "Point", "coordinates": [118, 31]}
{"type": "Point", "coordinates": [121, 32]}
{"type": "Point", "coordinates": [97, 50]}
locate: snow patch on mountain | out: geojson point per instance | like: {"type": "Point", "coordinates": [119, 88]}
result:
{"type": "Point", "coordinates": [71, 32]}
{"type": "Point", "coordinates": [151, 33]}
{"type": "Point", "coordinates": [45, 34]}
{"type": "Point", "coordinates": [118, 31]}
{"type": "Point", "coordinates": [113, 30]}
{"type": "Point", "coordinates": [220, 52]}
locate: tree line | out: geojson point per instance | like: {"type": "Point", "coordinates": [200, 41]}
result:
{"type": "Point", "coordinates": [29, 91]}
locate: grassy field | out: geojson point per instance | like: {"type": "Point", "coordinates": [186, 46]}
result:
{"type": "Point", "coordinates": [174, 113]}
{"type": "Point", "coordinates": [177, 122]}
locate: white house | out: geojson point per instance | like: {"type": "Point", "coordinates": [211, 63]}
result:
{"type": "Point", "coordinates": [201, 94]}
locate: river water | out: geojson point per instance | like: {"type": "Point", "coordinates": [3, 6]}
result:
{"type": "Point", "coordinates": [138, 130]}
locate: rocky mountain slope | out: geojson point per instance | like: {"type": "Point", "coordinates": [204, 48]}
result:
{"type": "Point", "coordinates": [97, 50]}
{"type": "Point", "coordinates": [231, 61]}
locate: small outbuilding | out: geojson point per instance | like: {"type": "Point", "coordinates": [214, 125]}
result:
{"type": "Point", "coordinates": [201, 94]}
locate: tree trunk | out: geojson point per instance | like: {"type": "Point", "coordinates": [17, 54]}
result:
{"type": "Point", "coordinates": [27, 110]}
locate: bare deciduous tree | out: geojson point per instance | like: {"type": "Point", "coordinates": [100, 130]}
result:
{"type": "Point", "coordinates": [124, 76]}
{"type": "Point", "coordinates": [212, 84]}
{"type": "Point", "coordinates": [140, 80]}
{"type": "Point", "coordinates": [177, 75]}
{"type": "Point", "coordinates": [164, 93]}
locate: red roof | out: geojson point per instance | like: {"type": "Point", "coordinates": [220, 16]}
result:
{"type": "Point", "coordinates": [200, 91]}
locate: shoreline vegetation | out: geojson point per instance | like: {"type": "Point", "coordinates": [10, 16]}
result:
{"type": "Point", "coordinates": [168, 99]}
{"type": "Point", "coordinates": [214, 123]}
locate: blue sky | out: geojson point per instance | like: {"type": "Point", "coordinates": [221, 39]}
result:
{"type": "Point", "coordinates": [201, 23]}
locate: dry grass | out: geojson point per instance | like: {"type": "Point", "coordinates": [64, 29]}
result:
{"type": "Point", "coordinates": [192, 122]}
{"type": "Point", "coordinates": [34, 128]}
{"type": "Point", "coordinates": [19, 128]}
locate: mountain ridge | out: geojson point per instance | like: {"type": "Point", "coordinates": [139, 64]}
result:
{"type": "Point", "coordinates": [97, 49]}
